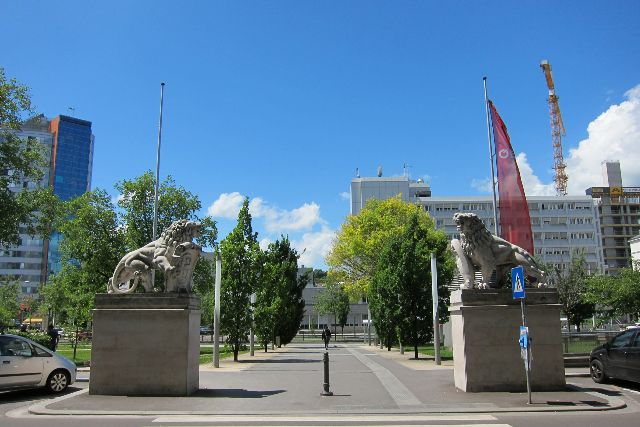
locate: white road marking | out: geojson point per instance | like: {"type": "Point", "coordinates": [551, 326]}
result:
{"type": "Point", "coordinates": [324, 420]}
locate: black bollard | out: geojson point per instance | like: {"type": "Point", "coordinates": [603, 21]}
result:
{"type": "Point", "coordinates": [325, 385]}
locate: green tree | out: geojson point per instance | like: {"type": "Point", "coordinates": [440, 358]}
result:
{"type": "Point", "coordinates": [335, 301]}
{"type": "Point", "coordinates": [9, 293]}
{"type": "Point", "coordinates": [21, 160]}
{"type": "Point", "coordinates": [204, 286]}
{"type": "Point", "coordinates": [71, 294]}
{"type": "Point", "coordinates": [572, 287]}
{"type": "Point", "coordinates": [356, 249]}
{"type": "Point", "coordinates": [281, 275]}
{"type": "Point", "coordinates": [92, 245]}
{"type": "Point", "coordinates": [136, 204]}
{"type": "Point", "coordinates": [93, 238]}
{"type": "Point", "coordinates": [401, 289]}
{"type": "Point", "coordinates": [241, 265]}
{"type": "Point", "coordinates": [615, 296]}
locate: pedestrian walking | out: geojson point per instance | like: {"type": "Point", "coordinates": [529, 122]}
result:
{"type": "Point", "coordinates": [54, 336]}
{"type": "Point", "coordinates": [326, 337]}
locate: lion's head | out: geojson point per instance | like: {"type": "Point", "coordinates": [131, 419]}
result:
{"type": "Point", "coordinates": [473, 232]}
{"type": "Point", "coordinates": [181, 231]}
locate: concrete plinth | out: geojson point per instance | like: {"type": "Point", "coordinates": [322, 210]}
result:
{"type": "Point", "coordinates": [486, 352]}
{"type": "Point", "coordinates": [145, 345]}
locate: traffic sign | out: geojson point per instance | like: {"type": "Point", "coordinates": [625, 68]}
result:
{"type": "Point", "coordinates": [517, 282]}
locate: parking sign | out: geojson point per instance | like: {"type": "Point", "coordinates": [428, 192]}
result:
{"type": "Point", "coordinates": [517, 282]}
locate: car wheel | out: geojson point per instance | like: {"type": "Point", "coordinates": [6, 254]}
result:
{"type": "Point", "coordinates": [597, 371]}
{"type": "Point", "coordinates": [58, 381]}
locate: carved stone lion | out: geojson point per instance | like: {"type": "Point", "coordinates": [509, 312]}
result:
{"type": "Point", "coordinates": [479, 249]}
{"type": "Point", "coordinates": [165, 253]}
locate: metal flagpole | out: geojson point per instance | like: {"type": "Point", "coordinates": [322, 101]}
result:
{"type": "Point", "coordinates": [491, 156]}
{"type": "Point", "coordinates": [216, 312]}
{"type": "Point", "coordinates": [155, 194]}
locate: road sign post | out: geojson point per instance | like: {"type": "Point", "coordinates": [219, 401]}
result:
{"type": "Point", "coordinates": [518, 284]}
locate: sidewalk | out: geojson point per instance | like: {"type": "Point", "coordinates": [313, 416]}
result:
{"type": "Point", "coordinates": [364, 380]}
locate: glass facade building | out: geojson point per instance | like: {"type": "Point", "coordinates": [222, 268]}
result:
{"type": "Point", "coordinates": [69, 149]}
{"type": "Point", "coordinates": [71, 167]}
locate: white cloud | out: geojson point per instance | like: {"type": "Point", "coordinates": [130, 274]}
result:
{"type": "Point", "coordinates": [314, 246]}
{"type": "Point", "coordinates": [531, 183]}
{"type": "Point", "coordinates": [482, 185]}
{"type": "Point", "coordinates": [264, 243]}
{"type": "Point", "coordinates": [345, 195]}
{"type": "Point", "coordinates": [614, 135]}
{"type": "Point", "coordinates": [278, 220]}
{"type": "Point", "coordinates": [226, 206]}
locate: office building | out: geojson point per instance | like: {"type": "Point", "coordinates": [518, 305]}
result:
{"type": "Point", "coordinates": [619, 212]}
{"type": "Point", "coordinates": [561, 226]}
{"type": "Point", "coordinates": [69, 149]}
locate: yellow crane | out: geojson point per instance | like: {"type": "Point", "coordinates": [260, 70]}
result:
{"type": "Point", "coordinates": [557, 132]}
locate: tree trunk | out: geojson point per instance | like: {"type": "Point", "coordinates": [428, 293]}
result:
{"type": "Point", "coordinates": [265, 346]}
{"type": "Point", "coordinates": [415, 351]}
{"type": "Point", "coordinates": [236, 349]}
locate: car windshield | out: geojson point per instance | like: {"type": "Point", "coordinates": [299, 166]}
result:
{"type": "Point", "coordinates": [622, 340]}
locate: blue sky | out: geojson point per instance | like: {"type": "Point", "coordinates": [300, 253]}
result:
{"type": "Point", "coordinates": [282, 100]}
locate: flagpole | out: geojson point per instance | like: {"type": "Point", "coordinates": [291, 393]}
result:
{"type": "Point", "coordinates": [493, 175]}
{"type": "Point", "coordinates": [156, 188]}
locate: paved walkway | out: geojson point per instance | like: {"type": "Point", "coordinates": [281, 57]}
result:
{"type": "Point", "coordinates": [364, 380]}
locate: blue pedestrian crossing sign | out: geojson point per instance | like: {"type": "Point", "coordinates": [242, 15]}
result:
{"type": "Point", "coordinates": [517, 282]}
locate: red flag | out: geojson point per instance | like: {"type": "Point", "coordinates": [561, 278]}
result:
{"type": "Point", "coordinates": [515, 223]}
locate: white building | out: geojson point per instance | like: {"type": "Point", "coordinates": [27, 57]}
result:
{"type": "Point", "coordinates": [26, 261]}
{"type": "Point", "coordinates": [313, 320]}
{"type": "Point", "coordinates": [561, 226]}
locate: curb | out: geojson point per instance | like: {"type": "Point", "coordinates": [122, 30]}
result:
{"type": "Point", "coordinates": [613, 403]}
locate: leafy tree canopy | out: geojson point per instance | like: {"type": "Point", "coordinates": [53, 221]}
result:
{"type": "Point", "coordinates": [572, 286]}
{"type": "Point", "coordinates": [9, 293]}
{"type": "Point", "coordinates": [615, 296]}
{"type": "Point", "coordinates": [241, 271]}
{"type": "Point", "coordinates": [356, 249]}
{"type": "Point", "coordinates": [335, 301]}
{"type": "Point", "coordinates": [21, 160]}
{"type": "Point", "coordinates": [400, 295]}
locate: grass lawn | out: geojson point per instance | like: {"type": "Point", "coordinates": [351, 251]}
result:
{"type": "Point", "coordinates": [445, 352]}
{"type": "Point", "coordinates": [83, 353]}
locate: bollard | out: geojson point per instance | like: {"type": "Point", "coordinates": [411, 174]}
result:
{"type": "Point", "coordinates": [325, 385]}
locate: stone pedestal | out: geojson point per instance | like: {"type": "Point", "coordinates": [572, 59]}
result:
{"type": "Point", "coordinates": [145, 345]}
{"type": "Point", "coordinates": [486, 352]}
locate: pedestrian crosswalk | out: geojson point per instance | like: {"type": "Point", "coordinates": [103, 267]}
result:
{"type": "Point", "coordinates": [396, 420]}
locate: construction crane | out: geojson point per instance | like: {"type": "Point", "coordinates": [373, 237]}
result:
{"type": "Point", "coordinates": [557, 132]}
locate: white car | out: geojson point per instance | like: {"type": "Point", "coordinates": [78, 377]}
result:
{"type": "Point", "coordinates": [27, 364]}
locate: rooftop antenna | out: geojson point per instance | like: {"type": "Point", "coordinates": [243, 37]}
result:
{"type": "Point", "coordinates": [379, 171]}
{"type": "Point", "coordinates": [357, 172]}
{"type": "Point", "coordinates": [406, 167]}
{"type": "Point", "coordinates": [72, 111]}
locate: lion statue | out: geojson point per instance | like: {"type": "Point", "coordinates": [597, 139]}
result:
{"type": "Point", "coordinates": [479, 249]}
{"type": "Point", "coordinates": [163, 254]}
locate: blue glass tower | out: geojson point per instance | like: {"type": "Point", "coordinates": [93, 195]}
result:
{"type": "Point", "coordinates": [71, 168]}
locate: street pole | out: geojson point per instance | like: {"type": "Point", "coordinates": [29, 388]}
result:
{"type": "Point", "coordinates": [251, 331]}
{"type": "Point", "coordinates": [369, 323]}
{"type": "Point", "coordinates": [528, 351]}
{"type": "Point", "coordinates": [434, 297]}
{"type": "Point", "coordinates": [216, 312]}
